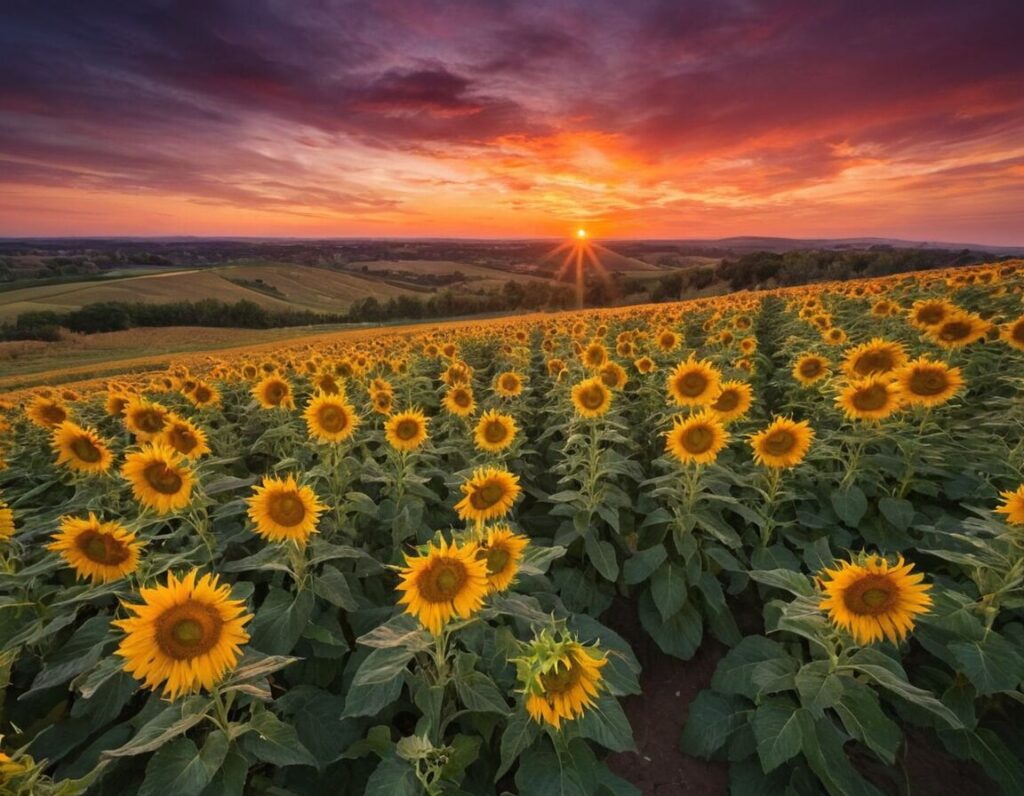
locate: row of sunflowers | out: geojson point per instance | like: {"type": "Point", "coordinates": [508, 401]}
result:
{"type": "Point", "coordinates": [382, 566]}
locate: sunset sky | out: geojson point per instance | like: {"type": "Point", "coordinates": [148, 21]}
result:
{"type": "Point", "coordinates": [389, 118]}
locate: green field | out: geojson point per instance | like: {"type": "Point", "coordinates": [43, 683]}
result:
{"type": "Point", "coordinates": [295, 287]}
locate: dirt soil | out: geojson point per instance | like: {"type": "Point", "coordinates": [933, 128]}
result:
{"type": "Point", "coordinates": [658, 714]}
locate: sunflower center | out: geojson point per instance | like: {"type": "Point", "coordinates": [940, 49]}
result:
{"type": "Point", "coordinates": [162, 478]}
{"type": "Point", "coordinates": [203, 394]}
{"type": "Point", "coordinates": [874, 362]}
{"type": "Point", "coordinates": [286, 509]}
{"type": "Point", "coordinates": [461, 398]}
{"type": "Point", "coordinates": [698, 439]}
{"type": "Point", "coordinates": [149, 420]}
{"type": "Point", "coordinates": [779, 442]}
{"type": "Point", "coordinates": [102, 548]}
{"type": "Point", "coordinates": [872, 594]}
{"type": "Point", "coordinates": [509, 383]}
{"type": "Point", "coordinates": [870, 399]}
{"type": "Point", "coordinates": [497, 560]}
{"type": "Point", "coordinates": [274, 393]}
{"type": "Point", "coordinates": [487, 495]}
{"type": "Point", "coordinates": [931, 315]}
{"type": "Point", "coordinates": [692, 384]}
{"type": "Point", "coordinates": [188, 630]}
{"type": "Point", "coordinates": [495, 432]}
{"type": "Point", "coordinates": [667, 340]}
{"type": "Point", "coordinates": [810, 368]}
{"type": "Point", "coordinates": [85, 450]}
{"type": "Point", "coordinates": [183, 440]}
{"type": "Point", "coordinates": [333, 419]}
{"type": "Point", "coordinates": [1017, 333]}
{"type": "Point", "coordinates": [53, 415]}
{"type": "Point", "coordinates": [727, 401]}
{"type": "Point", "coordinates": [561, 679]}
{"type": "Point", "coordinates": [592, 397]}
{"type": "Point", "coordinates": [443, 581]}
{"type": "Point", "coordinates": [955, 330]}
{"type": "Point", "coordinates": [928, 382]}
{"type": "Point", "coordinates": [407, 429]}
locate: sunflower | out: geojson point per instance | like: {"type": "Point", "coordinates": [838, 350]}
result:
{"type": "Point", "coordinates": [81, 449]}
{"type": "Point", "coordinates": [459, 401]}
{"type": "Point", "coordinates": [489, 494]}
{"type": "Point", "coordinates": [117, 402]}
{"type": "Point", "coordinates": [873, 398]}
{"type": "Point", "coordinates": [644, 365]}
{"type": "Point", "coordinates": [46, 412]}
{"type": "Point", "coordinates": [560, 678]}
{"type": "Point", "coordinates": [1013, 334]}
{"type": "Point", "coordinates": [495, 431]}
{"type": "Point", "coordinates": [100, 551]}
{"type": "Point", "coordinates": [733, 401]}
{"type": "Point", "coordinates": [274, 392]}
{"type": "Point", "coordinates": [203, 395]}
{"type": "Point", "coordinates": [926, 383]}
{"type": "Point", "coordinates": [502, 550]}
{"type": "Point", "coordinates": [185, 437]}
{"type": "Point", "coordinates": [698, 438]}
{"type": "Point", "coordinates": [958, 330]}
{"type": "Point", "coordinates": [1012, 506]}
{"type": "Point", "coordinates": [6, 521]}
{"type": "Point", "coordinates": [145, 419]}
{"type": "Point", "coordinates": [667, 340]}
{"type": "Point", "coordinates": [329, 418]}
{"type": "Point", "coordinates": [810, 368]}
{"type": "Point", "coordinates": [329, 384]}
{"type": "Point", "coordinates": [283, 511]}
{"type": "Point", "coordinates": [382, 402]}
{"type": "Point", "coordinates": [872, 600]}
{"type": "Point", "coordinates": [613, 375]}
{"type": "Point", "coordinates": [834, 336]}
{"type": "Point", "coordinates": [594, 356]}
{"type": "Point", "coordinates": [877, 356]}
{"type": "Point", "coordinates": [406, 431]}
{"type": "Point", "coordinates": [186, 634]}
{"type": "Point", "coordinates": [508, 384]}
{"type": "Point", "coordinates": [694, 382]}
{"type": "Point", "coordinates": [443, 582]}
{"type": "Point", "coordinates": [926, 313]}
{"type": "Point", "coordinates": [783, 444]}
{"type": "Point", "coordinates": [592, 398]}
{"type": "Point", "coordinates": [159, 478]}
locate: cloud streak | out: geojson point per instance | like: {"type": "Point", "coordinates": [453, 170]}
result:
{"type": "Point", "coordinates": [422, 117]}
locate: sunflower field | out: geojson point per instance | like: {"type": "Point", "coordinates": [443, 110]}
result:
{"type": "Point", "coordinates": [392, 565]}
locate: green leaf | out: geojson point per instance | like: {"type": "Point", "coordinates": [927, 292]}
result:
{"type": "Point", "coordinates": [680, 635]}
{"type": "Point", "coordinates": [332, 586]}
{"type": "Point", "coordinates": [668, 588]}
{"type": "Point", "coordinates": [519, 733]}
{"type": "Point", "coordinates": [898, 684]}
{"type": "Point", "coordinates": [181, 769]}
{"type": "Point", "coordinates": [991, 753]}
{"type": "Point", "coordinates": [793, 582]}
{"type": "Point", "coordinates": [823, 748]}
{"type": "Point", "coordinates": [399, 631]}
{"type": "Point", "coordinates": [850, 505]}
{"type": "Point", "coordinates": [711, 720]}
{"type": "Point", "coordinates": [569, 770]}
{"type": "Point", "coordinates": [641, 564]}
{"type": "Point", "coordinates": [735, 672]}
{"type": "Point", "coordinates": [166, 725]}
{"type": "Point", "coordinates": [230, 779]}
{"type": "Point", "coordinates": [991, 664]}
{"type": "Point", "coordinates": [280, 620]}
{"type": "Point", "coordinates": [276, 742]}
{"type": "Point", "coordinates": [382, 666]}
{"type": "Point", "coordinates": [478, 692]}
{"type": "Point", "coordinates": [897, 511]}
{"type": "Point", "coordinates": [601, 555]}
{"type": "Point", "coordinates": [606, 723]}
{"type": "Point", "coordinates": [537, 560]}
{"type": "Point", "coordinates": [777, 730]}
{"type": "Point", "coordinates": [393, 777]}
{"type": "Point", "coordinates": [818, 688]}
{"type": "Point", "coordinates": [369, 700]}
{"type": "Point", "coordinates": [81, 652]}
{"type": "Point", "coordinates": [864, 719]}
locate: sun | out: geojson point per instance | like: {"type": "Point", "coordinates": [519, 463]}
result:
{"type": "Point", "coordinates": [581, 233]}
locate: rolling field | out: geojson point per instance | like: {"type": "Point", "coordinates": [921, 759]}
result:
{"type": "Point", "coordinates": [769, 542]}
{"type": "Point", "coordinates": [300, 287]}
